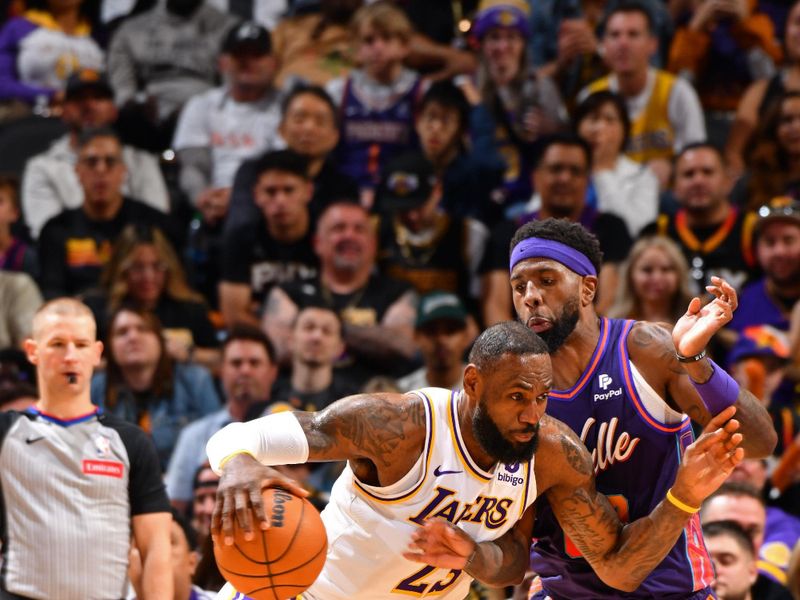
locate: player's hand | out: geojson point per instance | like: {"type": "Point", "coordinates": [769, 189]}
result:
{"type": "Point", "coordinates": [710, 459]}
{"type": "Point", "coordinates": [698, 325]}
{"type": "Point", "coordinates": [239, 491]}
{"type": "Point", "coordinates": [440, 544]}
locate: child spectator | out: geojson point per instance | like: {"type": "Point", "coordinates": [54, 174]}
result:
{"type": "Point", "coordinates": [378, 99]}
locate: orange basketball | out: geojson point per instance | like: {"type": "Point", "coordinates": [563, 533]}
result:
{"type": "Point", "coordinates": [282, 561]}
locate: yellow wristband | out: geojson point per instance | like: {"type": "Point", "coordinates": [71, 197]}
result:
{"type": "Point", "coordinates": [677, 503]}
{"type": "Point", "coordinates": [228, 458]}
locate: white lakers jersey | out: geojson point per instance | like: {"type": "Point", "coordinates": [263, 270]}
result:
{"type": "Point", "coordinates": [370, 527]}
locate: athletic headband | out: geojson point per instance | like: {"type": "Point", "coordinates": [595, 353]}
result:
{"type": "Point", "coordinates": [534, 247]}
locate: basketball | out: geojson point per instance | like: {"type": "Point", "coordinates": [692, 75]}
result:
{"type": "Point", "coordinates": [282, 561]}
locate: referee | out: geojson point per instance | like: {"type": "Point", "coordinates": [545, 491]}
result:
{"type": "Point", "coordinates": [75, 483]}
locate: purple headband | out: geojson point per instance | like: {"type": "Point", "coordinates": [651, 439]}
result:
{"type": "Point", "coordinates": [534, 247]}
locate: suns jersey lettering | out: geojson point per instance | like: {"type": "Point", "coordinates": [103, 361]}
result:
{"type": "Point", "coordinates": [636, 441]}
{"type": "Point", "coordinates": [369, 527]}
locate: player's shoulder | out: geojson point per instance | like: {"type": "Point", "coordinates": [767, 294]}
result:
{"type": "Point", "coordinates": [650, 337]}
{"type": "Point", "coordinates": [560, 456]}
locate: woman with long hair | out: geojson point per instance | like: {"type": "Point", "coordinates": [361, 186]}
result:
{"type": "Point", "coordinates": [773, 155]}
{"type": "Point", "coordinates": [144, 271]}
{"type": "Point", "coordinates": [762, 94]}
{"type": "Point", "coordinates": [654, 283]}
{"type": "Point", "coordinates": [144, 385]}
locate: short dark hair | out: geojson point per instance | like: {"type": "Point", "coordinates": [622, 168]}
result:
{"type": "Point", "coordinates": [87, 135]}
{"type": "Point", "coordinates": [700, 146]}
{"type": "Point", "coordinates": [445, 93]}
{"type": "Point", "coordinates": [188, 530]}
{"type": "Point", "coordinates": [739, 489]}
{"type": "Point", "coordinates": [572, 234]}
{"type": "Point", "coordinates": [316, 305]}
{"type": "Point", "coordinates": [302, 89]}
{"type": "Point", "coordinates": [285, 161]}
{"type": "Point", "coordinates": [733, 530]}
{"type": "Point", "coordinates": [598, 99]}
{"type": "Point", "coordinates": [507, 337]}
{"type": "Point", "coordinates": [631, 6]}
{"type": "Point", "coordinates": [249, 333]}
{"type": "Point", "coordinates": [543, 144]}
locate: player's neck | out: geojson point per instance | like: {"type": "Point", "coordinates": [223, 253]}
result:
{"type": "Point", "coordinates": [65, 407]}
{"type": "Point", "coordinates": [474, 448]}
{"type": "Point", "coordinates": [572, 358]}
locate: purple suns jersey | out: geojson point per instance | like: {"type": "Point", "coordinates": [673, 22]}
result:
{"type": "Point", "coordinates": [636, 442]}
{"type": "Point", "coordinates": [370, 137]}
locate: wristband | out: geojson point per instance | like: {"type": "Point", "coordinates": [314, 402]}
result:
{"type": "Point", "coordinates": [719, 392]}
{"type": "Point", "coordinates": [691, 359]}
{"type": "Point", "coordinates": [678, 504]}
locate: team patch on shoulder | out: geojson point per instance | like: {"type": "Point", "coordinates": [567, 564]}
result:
{"type": "Point", "coordinates": [107, 468]}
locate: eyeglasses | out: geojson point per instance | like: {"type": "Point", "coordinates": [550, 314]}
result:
{"type": "Point", "coordinates": [141, 268]}
{"type": "Point", "coordinates": [93, 161]}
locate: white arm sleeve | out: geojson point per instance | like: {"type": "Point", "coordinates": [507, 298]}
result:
{"type": "Point", "coordinates": [272, 440]}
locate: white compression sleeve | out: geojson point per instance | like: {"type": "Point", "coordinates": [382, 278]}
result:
{"type": "Point", "coordinates": [272, 440]}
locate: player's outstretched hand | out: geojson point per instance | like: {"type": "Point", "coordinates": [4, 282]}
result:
{"type": "Point", "coordinates": [698, 325]}
{"type": "Point", "coordinates": [440, 544]}
{"type": "Point", "coordinates": [710, 459]}
{"type": "Point", "coordinates": [243, 478]}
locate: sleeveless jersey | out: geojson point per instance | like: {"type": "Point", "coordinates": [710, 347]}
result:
{"type": "Point", "coordinates": [371, 137]}
{"type": "Point", "coordinates": [370, 527]}
{"type": "Point", "coordinates": [651, 133]}
{"type": "Point", "coordinates": [636, 441]}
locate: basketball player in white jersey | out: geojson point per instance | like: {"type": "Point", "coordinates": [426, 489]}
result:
{"type": "Point", "coordinates": [440, 485]}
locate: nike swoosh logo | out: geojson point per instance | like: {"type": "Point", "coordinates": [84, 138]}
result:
{"type": "Point", "coordinates": [438, 472]}
{"type": "Point", "coordinates": [32, 440]}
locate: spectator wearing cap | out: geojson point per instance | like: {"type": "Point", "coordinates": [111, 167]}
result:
{"type": "Point", "coordinates": [50, 184]}
{"type": "Point", "coordinates": [517, 104]}
{"type": "Point", "coordinates": [419, 242]}
{"type": "Point", "coordinates": [159, 59]}
{"type": "Point", "coordinates": [40, 48]}
{"type": "Point", "coordinates": [443, 336]}
{"type": "Point", "coordinates": [75, 244]}
{"type": "Point", "coordinates": [769, 300]}
{"type": "Point", "coordinates": [665, 111]}
{"type": "Point", "coordinates": [221, 127]}
{"type": "Point", "coordinates": [377, 312]}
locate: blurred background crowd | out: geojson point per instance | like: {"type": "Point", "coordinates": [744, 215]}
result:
{"type": "Point", "coordinates": [272, 204]}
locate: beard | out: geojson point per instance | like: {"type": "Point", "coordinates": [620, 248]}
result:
{"type": "Point", "coordinates": [495, 444]}
{"type": "Point", "coordinates": [562, 328]}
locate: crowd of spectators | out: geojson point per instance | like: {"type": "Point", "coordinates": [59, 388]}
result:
{"type": "Point", "coordinates": [268, 205]}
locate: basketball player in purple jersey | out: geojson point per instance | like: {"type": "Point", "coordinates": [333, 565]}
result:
{"type": "Point", "coordinates": [628, 389]}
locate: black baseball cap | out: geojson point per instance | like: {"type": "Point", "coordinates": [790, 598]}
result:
{"type": "Point", "coordinates": [440, 306]}
{"type": "Point", "coordinates": [87, 79]}
{"type": "Point", "coordinates": [406, 182]}
{"type": "Point", "coordinates": [248, 37]}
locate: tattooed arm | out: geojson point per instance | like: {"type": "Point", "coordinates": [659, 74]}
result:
{"type": "Point", "coordinates": [382, 435]}
{"type": "Point", "coordinates": [652, 350]}
{"type": "Point", "coordinates": [497, 563]}
{"type": "Point", "coordinates": [623, 555]}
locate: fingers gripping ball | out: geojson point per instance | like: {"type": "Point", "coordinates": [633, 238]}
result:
{"type": "Point", "coordinates": [281, 561]}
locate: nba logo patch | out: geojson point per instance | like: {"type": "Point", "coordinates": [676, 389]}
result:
{"type": "Point", "coordinates": [102, 446]}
